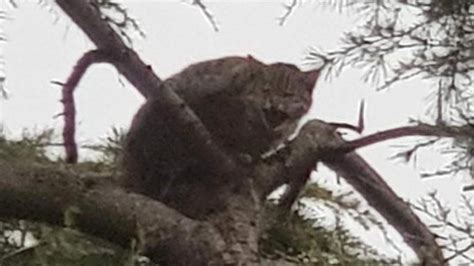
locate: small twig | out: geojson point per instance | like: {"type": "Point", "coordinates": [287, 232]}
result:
{"type": "Point", "coordinates": [69, 113]}
{"type": "Point", "coordinates": [206, 13]}
{"type": "Point", "coordinates": [289, 10]}
{"type": "Point", "coordinates": [360, 123]}
{"type": "Point", "coordinates": [57, 82]}
{"type": "Point", "coordinates": [13, 3]}
{"type": "Point", "coordinates": [449, 170]}
{"type": "Point", "coordinates": [439, 105]}
{"type": "Point", "coordinates": [409, 153]}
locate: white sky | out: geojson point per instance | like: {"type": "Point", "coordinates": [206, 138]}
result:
{"type": "Point", "coordinates": [43, 45]}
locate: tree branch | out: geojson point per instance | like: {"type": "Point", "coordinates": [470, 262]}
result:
{"type": "Point", "coordinates": [361, 176]}
{"type": "Point", "coordinates": [206, 13]}
{"type": "Point", "coordinates": [418, 130]}
{"type": "Point", "coordinates": [45, 194]}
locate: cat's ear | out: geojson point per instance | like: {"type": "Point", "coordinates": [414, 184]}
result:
{"type": "Point", "coordinates": [312, 76]}
{"type": "Point", "coordinates": [252, 59]}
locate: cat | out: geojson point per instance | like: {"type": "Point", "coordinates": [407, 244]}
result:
{"type": "Point", "coordinates": [247, 106]}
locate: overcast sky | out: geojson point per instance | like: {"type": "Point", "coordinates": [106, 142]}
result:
{"type": "Point", "coordinates": [43, 45]}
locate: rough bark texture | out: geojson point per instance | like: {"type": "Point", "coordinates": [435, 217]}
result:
{"type": "Point", "coordinates": [44, 194]}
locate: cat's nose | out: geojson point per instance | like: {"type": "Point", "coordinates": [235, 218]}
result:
{"type": "Point", "coordinates": [294, 109]}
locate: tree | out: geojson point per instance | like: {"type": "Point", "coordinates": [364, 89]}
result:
{"type": "Point", "coordinates": [231, 236]}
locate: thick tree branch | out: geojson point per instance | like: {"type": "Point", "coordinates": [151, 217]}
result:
{"type": "Point", "coordinates": [360, 175]}
{"type": "Point", "coordinates": [207, 13]}
{"type": "Point", "coordinates": [45, 194]}
{"type": "Point", "coordinates": [69, 112]}
{"type": "Point", "coordinates": [318, 141]}
{"type": "Point", "coordinates": [360, 123]}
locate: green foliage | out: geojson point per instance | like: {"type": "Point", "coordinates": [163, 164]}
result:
{"type": "Point", "coordinates": [109, 152]}
{"type": "Point", "coordinates": [31, 148]}
{"type": "Point", "coordinates": [64, 246]}
{"type": "Point", "coordinates": [301, 239]}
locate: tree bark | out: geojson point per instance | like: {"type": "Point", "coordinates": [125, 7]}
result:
{"type": "Point", "coordinates": [41, 193]}
{"type": "Point", "coordinates": [361, 176]}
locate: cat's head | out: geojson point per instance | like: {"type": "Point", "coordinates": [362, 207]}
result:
{"type": "Point", "coordinates": [287, 92]}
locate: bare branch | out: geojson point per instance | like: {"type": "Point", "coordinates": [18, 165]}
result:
{"type": "Point", "coordinates": [468, 188]}
{"type": "Point", "coordinates": [206, 13]}
{"type": "Point", "coordinates": [13, 3]}
{"type": "Point", "coordinates": [69, 112]}
{"type": "Point", "coordinates": [461, 252]}
{"type": "Point", "coordinates": [439, 105]}
{"type": "Point", "coordinates": [418, 130]}
{"type": "Point", "coordinates": [457, 231]}
{"type": "Point", "coordinates": [289, 9]}
{"type": "Point", "coordinates": [360, 123]}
